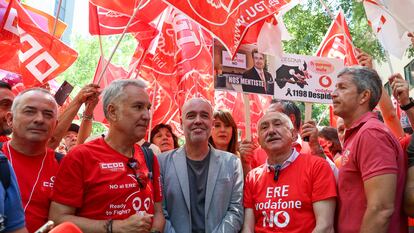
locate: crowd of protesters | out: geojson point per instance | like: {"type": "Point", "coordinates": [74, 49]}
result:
{"type": "Point", "coordinates": [358, 177]}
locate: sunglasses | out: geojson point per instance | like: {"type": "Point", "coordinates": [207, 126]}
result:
{"type": "Point", "coordinates": [141, 178]}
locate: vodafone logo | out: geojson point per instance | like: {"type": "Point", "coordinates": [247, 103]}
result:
{"type": "Point", "coordinates": [325, 81]}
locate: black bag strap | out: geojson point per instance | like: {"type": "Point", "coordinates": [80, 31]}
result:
{"type": "Point", "coordinates": [149, 160]}
{"type": "Point", "coordinates": [4, 171]}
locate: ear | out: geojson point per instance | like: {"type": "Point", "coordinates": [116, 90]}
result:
{"type": "Point", "coordinates": [112, 112]}
{"type": "Point", "coordinates": [9, 119]}
{"type": "Point", "coordinates": [365, 97]}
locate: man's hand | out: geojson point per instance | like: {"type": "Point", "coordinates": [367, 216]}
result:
{"type": "Point", "coordinates": [91, 104]}
{"type": "Point", "coordinates": [400, 89]}
{"type": "Point", "coordinates": [246, 151]}
{"type": "Point", "coordinates": [135, 223]}
{"type": "Point", "coordinates": [87, 92]}
{"type": "Point", "coordinates": [411, 35]}
{"type": "Point", "coordinates": [364, 59]}
{"type": "Point", "coordinates": [310, 130]}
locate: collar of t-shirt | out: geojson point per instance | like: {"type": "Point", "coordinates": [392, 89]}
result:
{"type": "Point", "coordinates": [293, 156]}
{"type": "Point", "coordinates": [358, 123]}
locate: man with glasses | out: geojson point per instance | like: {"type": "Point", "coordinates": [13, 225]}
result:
{"type": "Point", "coordinates": [106, 185]}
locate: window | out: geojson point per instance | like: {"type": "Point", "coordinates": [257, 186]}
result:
{"type": "Point", "coordinates": [62, 12]}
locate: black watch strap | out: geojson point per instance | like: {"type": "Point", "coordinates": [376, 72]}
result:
{"type": "Point", "coordinates": [408, 106]}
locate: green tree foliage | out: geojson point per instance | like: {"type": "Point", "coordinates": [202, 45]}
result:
{"type": "Point", "coordinates": [308, 23]}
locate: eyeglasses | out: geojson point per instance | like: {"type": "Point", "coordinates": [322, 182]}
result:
{"type": "Point", "coordinates": [139, 176]}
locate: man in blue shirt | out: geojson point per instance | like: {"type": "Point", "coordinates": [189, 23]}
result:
{"type": "Point", "coordinates": [11, 210]}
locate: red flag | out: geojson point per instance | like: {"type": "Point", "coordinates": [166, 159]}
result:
{"type": "Point", "coordinates": [233, 102]}
{"type": "Point", "coordinates": [31, 52]}
{"type": "Point", "coordinates": [148, 10]}
{"type": "Point", "coordinates": [228, 20]}
{"type": "Point", "coordinates": [338, 42]}
{"type": "Point", "coordinates": [106, 22]}
{"type": "Point", "coordinates": [180, 68]}
{"type": "Point", "coordinates": [112, 73]}
{"type": "Point", "coordinates": [45, 21]}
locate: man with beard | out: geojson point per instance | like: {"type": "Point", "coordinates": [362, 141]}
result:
{"type": "Point", "coordinates": [203, 187]}
{"type": "Point", "coordinates": [6, 100]}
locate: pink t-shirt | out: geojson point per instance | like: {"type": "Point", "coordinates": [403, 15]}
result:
{"type": "Point", "coordinates": [370, 150]}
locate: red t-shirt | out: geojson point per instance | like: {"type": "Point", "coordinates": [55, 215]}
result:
{"type": "Point", "coordinates": [28, 169]}
{"type": "Point", "coordinates": [370, 150]}
{"type": "Point", "coordinates": [288, 201]}
{"type": "Point", "coordinates": [260, 156]}
{"type": "Point", "coordinates": [97, 181]}
{"type": "Point", "coordinates": [4, 138]}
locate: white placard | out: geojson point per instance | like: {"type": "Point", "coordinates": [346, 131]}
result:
{"type": "Point", "coordinates": [238, 62]}
{"type": "Point", "coordinates": [306, 78]}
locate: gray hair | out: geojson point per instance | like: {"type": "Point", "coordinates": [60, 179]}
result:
{"type": "Point", "coordinates": [115, 90]}
{"type": "Point", "coordinates": [365, 79]}
{"type": "Point", "coordinates": [19, 97]}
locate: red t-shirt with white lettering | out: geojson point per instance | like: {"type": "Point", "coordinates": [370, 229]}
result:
{"type": "Point", "coordinates": [28, 169]}
{"type": "Point", "coordinates": [285, 205]}
{"type": "Point", "coordinates": [97, 181]}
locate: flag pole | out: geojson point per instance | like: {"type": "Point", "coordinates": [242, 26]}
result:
{"type": "Point", "coordinates": [337, 24]}
{"type": "Point", "coordinates": [152, 108]}
{"type": "Point", "coordinates": [57, 18]}
{"type": "Point", "coordinates": [119, 41]}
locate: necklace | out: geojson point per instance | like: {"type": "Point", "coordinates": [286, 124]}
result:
{"type": "Point", "coordinates": [37, 178]}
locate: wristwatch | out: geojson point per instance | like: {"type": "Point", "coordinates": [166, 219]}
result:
{"type": "Point", "coordinates": [408, 106]}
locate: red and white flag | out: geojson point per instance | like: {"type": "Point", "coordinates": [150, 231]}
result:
{"type": "Point", "coordinates": [148, 10]}
{"type": "Point", "coordinates": [28, 50]}
{"type": "Point", "coordinates": [180, 68]}
{"type": "Point", "coordinates": [389, 31]}
{"type": "Point", "coordinates": [338, 42]}
{"type": "Point", "coordinates": [228, 20]}
{"type": "Point", "coordinates": [106, 22]}
{"type": "Point", "coordinates": [112, 73]}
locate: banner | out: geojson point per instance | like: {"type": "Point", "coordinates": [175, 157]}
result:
{"type": "Point", "coordinates": [306, 78]}
{"type": "Point", "coordinates": [228, 20]}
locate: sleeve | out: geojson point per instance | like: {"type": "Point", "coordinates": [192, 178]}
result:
{"type": "Point", "coordinates": [374, 159]}
{"type": "Point", "coordinates": [68, 188]}
{"type": "Point", "coordinates": [233, 220]}
{"type": "Point", "coordinates": [13, 209]}
{"type": "Point", "coordinates": [247, 195]}
{"type": "Point", "coordinates": [157, 181]}
{"type": "Point", "coordinates": [323, 181]}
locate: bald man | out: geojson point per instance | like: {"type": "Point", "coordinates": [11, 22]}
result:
{"type": "Point", "coordinates": [203, 187]}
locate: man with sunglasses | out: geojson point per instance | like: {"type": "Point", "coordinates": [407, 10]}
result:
{"type": "Point", "coordinates": [105, 185]}
{"type": "Point", "coordinates": [203, 187]}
